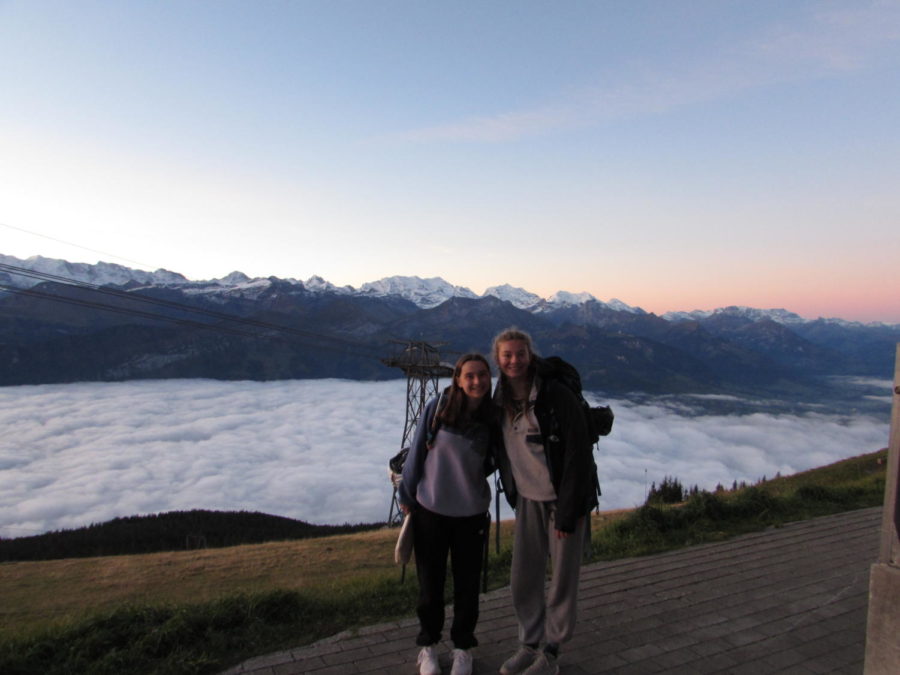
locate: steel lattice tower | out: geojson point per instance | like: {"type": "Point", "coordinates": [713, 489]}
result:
{"type": "Point", "coordinates": [421, 363]}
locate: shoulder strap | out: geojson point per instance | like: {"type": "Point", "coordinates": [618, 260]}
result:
{"type": "Point", "coordinates": [434, 424]}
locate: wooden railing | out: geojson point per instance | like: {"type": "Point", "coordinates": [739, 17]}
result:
{"type": "Point", "coordinates": [883, 628]}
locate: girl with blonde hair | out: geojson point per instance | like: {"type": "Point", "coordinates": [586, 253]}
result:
{"type": "Point", "coordinates": [546, 469]}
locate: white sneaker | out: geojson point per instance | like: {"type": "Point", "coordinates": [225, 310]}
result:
{"type": "Point", "coordinates": [462, 662]}
{"type": "Point", "coordinates": [544, 664]}
{"type": "Point", "coordinates": [518, 662]}
{"type": "Point", "coordinates": [428, 661]}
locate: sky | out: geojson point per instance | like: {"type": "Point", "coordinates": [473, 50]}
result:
{"type": "Point", "coordinates": [672, 155]}
{"type": "Point", "coordinates": [318, 450]}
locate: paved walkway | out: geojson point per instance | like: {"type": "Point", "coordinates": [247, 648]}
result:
{"type": "Point", "coordinates": [788, 600]}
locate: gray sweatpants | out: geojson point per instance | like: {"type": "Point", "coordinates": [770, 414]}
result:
{"type": "Point", "coordinates": [549, 618]}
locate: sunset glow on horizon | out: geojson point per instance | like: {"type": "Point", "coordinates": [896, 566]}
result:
{"type": "Point", "coordinates": [674, 156]}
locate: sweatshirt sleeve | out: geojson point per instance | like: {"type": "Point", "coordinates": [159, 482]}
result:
{"type": "Point", "coordinates": [414, 466]}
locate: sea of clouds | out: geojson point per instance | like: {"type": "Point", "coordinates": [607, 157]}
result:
{"type": "Point", "coordinates": [317, 450]}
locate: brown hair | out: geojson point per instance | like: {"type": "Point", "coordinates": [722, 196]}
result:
{"type": "Point", "coordinates": [453, 411]}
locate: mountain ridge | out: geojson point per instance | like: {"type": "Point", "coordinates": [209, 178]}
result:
{"type": "Point", "coordinates": [425, 293]}
{"type": "Point", "coordinates": [58, 329]}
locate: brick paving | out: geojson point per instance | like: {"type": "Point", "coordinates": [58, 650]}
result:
{"type": "Point", "coordinates": [788, 600]}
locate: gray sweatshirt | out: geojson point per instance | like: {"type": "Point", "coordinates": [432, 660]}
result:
{"type": "Point", "coordinates": [449, 477]}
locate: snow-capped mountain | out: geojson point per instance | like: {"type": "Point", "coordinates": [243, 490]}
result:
{"type": "Point", "coordinates": [100, 274]}
{"type": "Point", "coordinates": [234, 279]}
{"type": "Point", "coordinates": [236, 284]}
{"type": "Point", "coordinates": [563, 298]}
{"type": "Point", "coordinates": [518, 297]}
{"type": "Point", "coordinates": [619, 306]}
{"type": "Point", "coordinates": [781, 316]}
{"type": "Point", "coordinates": [317, 284]}
{"type": "Point", "coordinates": [423, 292]}
{"type": "Point", "coordinates": [222, 328]}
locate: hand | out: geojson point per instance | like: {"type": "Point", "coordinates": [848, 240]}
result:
{"type": "Point", "coordinates": [405, 509]}
{"type": "Point", "coordinates": [565, 535]}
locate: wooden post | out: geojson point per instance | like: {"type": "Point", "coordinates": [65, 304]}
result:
{"type": "Point", "coordinates": [883, 629]}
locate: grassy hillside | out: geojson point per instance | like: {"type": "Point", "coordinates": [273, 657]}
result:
{"type": "Point", "coordinates": [199, 611]}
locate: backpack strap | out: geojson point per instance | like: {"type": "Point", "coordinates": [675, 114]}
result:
{"type": "Point", "coordinates": [434, 423]}
{"type": "Point", "coordinates": [498, 488]}
{"type": "Point", "coordinates": [486, 548]}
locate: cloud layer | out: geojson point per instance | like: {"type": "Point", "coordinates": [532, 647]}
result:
{"type": "Point", "coordinates": [317, 450]}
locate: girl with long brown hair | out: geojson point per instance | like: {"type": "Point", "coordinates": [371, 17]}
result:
{"type": "Point", "coordinates": [445, 488]}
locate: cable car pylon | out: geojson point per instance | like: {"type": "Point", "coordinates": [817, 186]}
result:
{"type": "Point", "coordinates": [421, 363]}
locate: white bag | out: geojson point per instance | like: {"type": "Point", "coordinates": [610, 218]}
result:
{"type": "Point", "coordinates": [404, 548]}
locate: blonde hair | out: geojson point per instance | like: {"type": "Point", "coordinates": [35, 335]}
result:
{"type": "Point", "coordinates": [505, 336]}
{"type": "Point", "coordinates": [512, 333]}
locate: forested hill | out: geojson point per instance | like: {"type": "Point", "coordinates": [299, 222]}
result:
{"type": "Point", "coordinates": [172, 531]}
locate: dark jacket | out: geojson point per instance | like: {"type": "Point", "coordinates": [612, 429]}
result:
{"type": "Point", "coordinates": [568, 450]}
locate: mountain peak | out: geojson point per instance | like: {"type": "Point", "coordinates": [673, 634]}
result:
{"type": "Point", "coordinates": [234, 278]}
{"type": "Point", "coordinates": [99, 274]}
{"type": "Point", "coordinates": [518, 297]}
{"type": "Point", "coordinates": [567, 298]}
{"type": "Point", "coordinates": [619, 306]}
{"type": "Point", "coordinates": [781, 316]}
{"type": "Point", "coordinates": [425, 293]}
{"type": "Point", "coordinates": [317, 284]}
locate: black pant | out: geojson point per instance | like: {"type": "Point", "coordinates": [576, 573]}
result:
{"type": "Point", "coordinates": [463, 538]}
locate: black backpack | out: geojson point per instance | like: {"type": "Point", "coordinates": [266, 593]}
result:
{"type": "Point", "coordinates": [599, 419]}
